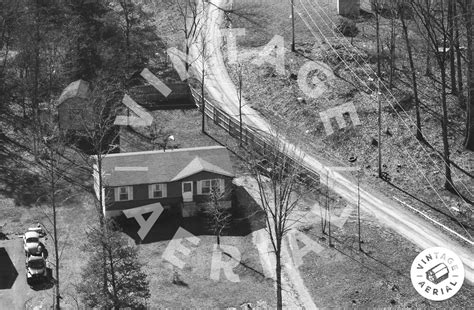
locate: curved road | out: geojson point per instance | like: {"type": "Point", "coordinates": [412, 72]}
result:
{"type": "Point", "coordinates": [221, 88]}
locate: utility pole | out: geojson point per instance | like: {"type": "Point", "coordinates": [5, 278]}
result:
{"type": "Point", "coordinates": [379, 76]}
{"type": "Point", "coordinates": [380, 128]}
{"type": "Point", "coordinates": [358, 207]}
{"type": "Point", "coordinates": [293, 26]}
{"type": "Point", "coordinates": [328, 209]}
{"type": "Point", "coordinates": [358, 168]}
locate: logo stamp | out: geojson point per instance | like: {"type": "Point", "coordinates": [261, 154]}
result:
{"type": "Point", "coordinates": [437, 273]}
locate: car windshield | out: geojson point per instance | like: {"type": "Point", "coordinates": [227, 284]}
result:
{"type": "Point", "coordinates": [32, 240]}
{"type": "Point", "coordinates": [37, 264]}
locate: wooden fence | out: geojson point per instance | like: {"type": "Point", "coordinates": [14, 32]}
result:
{"type": "Point", "coordinates": [253, 139]}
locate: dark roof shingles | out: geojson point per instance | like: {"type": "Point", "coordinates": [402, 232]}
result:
{"type": "Point", "coordinates": [162, 166]}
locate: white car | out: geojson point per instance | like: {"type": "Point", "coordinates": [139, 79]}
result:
{"type": "Point", "coordinates": [35, 268]}
{"type": "Point", "coordinates": [31, 243]}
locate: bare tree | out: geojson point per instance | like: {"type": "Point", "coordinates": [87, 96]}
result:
{"type": "Point", "coordinates": [99, 134]}
{"type": "Point", "coordinates": [278, 187]}
{"type": "Point", "coordinates": [467, 8]}
{"type": "Point", "coordinates": [434, 22]}
{"type": "Point", "coordinates": [402, 12]}
{"type": "Point", "coordinates": [452, 60]}
{"type": "Point", "coordinates": [217, 212]}
{"type": "Point", "coordinates": [461, 98]}
{"type": "Point", "coordinates": [191, 13]}
{"type": "Point", "coordinates": [51, 156]}
{"type": "Point", "coordinates": [240, 85]}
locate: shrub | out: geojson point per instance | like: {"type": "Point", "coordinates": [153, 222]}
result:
{"type": "Point", "coordinates": [347, 27]}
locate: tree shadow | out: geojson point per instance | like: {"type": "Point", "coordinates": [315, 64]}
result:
{"type": "Point", "coordinates": [247, 216]}
{"type": "Point", "coordinates": [357, 256]}
{"type": "Point", "coordinates": [462, 223]}
{"type": "Point", "coordinates": [23, 186]}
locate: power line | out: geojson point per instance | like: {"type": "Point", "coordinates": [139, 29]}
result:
{"type": "Point", "coordinates": [398, 114]}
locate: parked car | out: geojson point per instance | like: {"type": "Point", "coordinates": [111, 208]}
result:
{"type": "Point", "coordinates": [39, 230]}
{"type": "Point", "coordinates": [35, 268]}
{"type": "Point", "coordinates": [31, 243]}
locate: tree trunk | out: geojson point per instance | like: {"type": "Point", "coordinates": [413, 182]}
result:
{"type": "Point", "coordinates": [377, 37]}
{"type": "Point", "coordinates": [392, 50]}
{"type": "Point", "coordinates": [454, 90]}
{"type": "Point", "coordinates": [112, 277]}
{"type": "Point", "coordinates": [55, 235]}
{"type": "Point", "coordinates": [102, 221]}
{"type": "Point", "coordinates": [469, 141]}
{"type": "Point", "coordinates": [240, 102]}
{"type": "Point", "coordinates": [186, 62]}
{"type": "Point", "coordinates": [203, 101]}
{"type": "Point", "coordinates": [461, 99]}
{"type": "Point", "coordinates": [278, 280]}
{"type": "Point", "coordinates": [35, 99]}
{"type": "Point", "coordinates": [419, 134]}
{"type": "Point", "coordinates": [428, 57]}
{"type": "Point", "coordinates": [448, 184]}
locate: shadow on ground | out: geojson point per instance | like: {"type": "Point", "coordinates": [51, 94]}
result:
{"type": "Point", "coordinates": [8, 272]}
{"type": "Point", "coordinates": [44, 284]}
{"type": "Point", "coordinates": [247, 216]}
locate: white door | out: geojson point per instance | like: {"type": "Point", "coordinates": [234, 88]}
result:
{"type": "Point", "coordinates": [187, 188]}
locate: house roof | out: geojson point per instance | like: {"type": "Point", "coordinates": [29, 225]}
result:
{"type": "Point", "coordinates": [77, 89]}
{"type": "Point", "coordinates": [164, 166]}
{"type": "Point", "coordinates": [198, 165]}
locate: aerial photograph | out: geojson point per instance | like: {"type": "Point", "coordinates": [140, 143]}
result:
{"type": "Point", "coordinates": [236, 154]}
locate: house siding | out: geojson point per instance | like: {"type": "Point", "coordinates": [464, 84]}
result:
{"type": "Point", "coordinates": [174, 193]}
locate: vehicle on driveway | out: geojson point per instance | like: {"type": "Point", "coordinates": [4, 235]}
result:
{"type": "Point", "coordinates": [39, 230]}
{"type": "Point", "coordinates": [36, 270]}
{"type": "Point", "coordinates": [31, 243]}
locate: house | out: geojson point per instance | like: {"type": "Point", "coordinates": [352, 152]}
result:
{"type": "Point", "coordinates": [181, 180]}
{"type": "Point", "coordinates": [74, 108]}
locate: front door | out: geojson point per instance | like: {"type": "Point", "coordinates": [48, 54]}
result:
{"type": "Point", "coordinates": [187, 191]}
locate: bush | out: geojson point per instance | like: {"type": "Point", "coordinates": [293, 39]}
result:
{"type": "Point", "coordinates": [347, 27]}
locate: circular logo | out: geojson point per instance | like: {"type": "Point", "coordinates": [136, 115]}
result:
{"type": "Point", "coordinates": [437, 273]}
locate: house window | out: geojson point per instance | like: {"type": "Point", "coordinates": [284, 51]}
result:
{"type": "Point", "coordinates": [156, 191]}
{"type": "Point", "coordinates": [124, 193]}
{"type": "Point", "coordinates": [207, 185]}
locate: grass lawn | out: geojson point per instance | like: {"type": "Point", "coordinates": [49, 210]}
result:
{"type": "Point", "coordinates": [184, 125]}
{"type": "Point", "coordinates": [343, 277]}
{"type": "Point", "coordinates": [197, 289]}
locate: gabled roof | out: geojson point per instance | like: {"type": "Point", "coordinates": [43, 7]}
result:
{"type": "Point", "coordinates": [198, 165]}
{"type": "Point", "coordinates": [77, 89]}
{"type": "Point", "coordinates": [150, 167]}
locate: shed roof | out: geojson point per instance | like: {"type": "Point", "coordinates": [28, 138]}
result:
{"type": "Point", "coordinates": [77, 89]}
{"type": "Point", "coordinates": [150, 167]}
